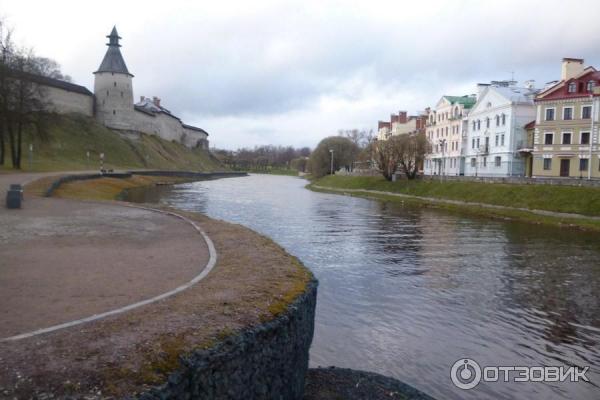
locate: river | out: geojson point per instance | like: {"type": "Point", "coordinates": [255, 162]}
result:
{"type": "Point", "coordinates": [407, 291]}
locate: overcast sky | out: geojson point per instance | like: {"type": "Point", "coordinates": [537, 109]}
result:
{"type": "Point", "coordinates": [293, 72]}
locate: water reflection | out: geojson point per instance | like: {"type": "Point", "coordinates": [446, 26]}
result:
{"type": "Point", "coordinates": [406, 292]}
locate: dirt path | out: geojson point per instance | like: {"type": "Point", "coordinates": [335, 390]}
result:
{"type": "Point", "coordinates": [461, 203]}
{"type": "Point", "coordinates": [62, 260]}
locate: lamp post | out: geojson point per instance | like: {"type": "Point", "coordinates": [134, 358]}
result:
{"type": "Point", "coordinates": [443, 160]}
{"type": "Point", "coordinates": [331, 169]}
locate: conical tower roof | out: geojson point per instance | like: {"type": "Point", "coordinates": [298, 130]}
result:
{"type": "Point", "coordinates": [113, 60]}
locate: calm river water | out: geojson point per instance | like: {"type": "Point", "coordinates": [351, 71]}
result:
{"type": "Point", "coordinates": [406, 291]}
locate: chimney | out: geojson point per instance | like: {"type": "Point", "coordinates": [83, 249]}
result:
{"type": "Point", "coordinates": [571, 67]}
{"type": "Point", "coordinates": [393, 118]}
{"type": "Point", "coordinates": [402, 117]}
{"type": "Point", "coordinates": [382, 124]}
{"type": "Point", "coordinates": [156, 101]}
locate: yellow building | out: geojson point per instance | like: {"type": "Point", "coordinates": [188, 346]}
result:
{"type": "Point", "coordinates": [566, 127]}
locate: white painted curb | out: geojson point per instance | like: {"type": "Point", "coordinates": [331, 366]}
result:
{"type": "Point", "coordinates": [205, 271]}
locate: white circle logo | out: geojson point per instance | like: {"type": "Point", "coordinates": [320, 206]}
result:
{"type": "Point", "coordinates": [465, 373]}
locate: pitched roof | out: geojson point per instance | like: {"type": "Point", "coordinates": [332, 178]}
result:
{"type": "Point", "coordinates": [466, 101]}
{"type": "Point", "coordinates": [530, 125]}
{"type": "Point", "coordinates": [113, 60]}
{"type": "Point", "coordinates": [52, 82]}
{"type": "Point", "coordinates": [549, 91]}
{"type": "Point", "coordinates": [194, 128]}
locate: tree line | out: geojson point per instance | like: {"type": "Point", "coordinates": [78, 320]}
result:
{"type": "Point", "coordinates": [264, 158]}
{"type": "Point", "coordinates": [356, 149]}
{"type": "Point", "coordinates": [22, 101]}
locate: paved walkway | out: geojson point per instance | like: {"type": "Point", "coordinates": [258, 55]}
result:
{"type": "Point", "coordinates": [461, 203]}
{"type": "Point", "coordinates": [61, 260]}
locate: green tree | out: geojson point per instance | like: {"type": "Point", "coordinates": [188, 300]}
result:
{"type": "Point", "coordinates": [344, 154]}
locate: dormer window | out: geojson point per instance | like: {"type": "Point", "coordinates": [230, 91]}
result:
{"type": "Point", "coordinates": [590, 86]}
{"type": "Point", "coordinates": [572, 88]}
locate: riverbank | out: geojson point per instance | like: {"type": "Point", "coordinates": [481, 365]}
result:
{"type": "Point", "coordinates": [564, 206]}
{"type": "Point", "coordinates": [256, 297]}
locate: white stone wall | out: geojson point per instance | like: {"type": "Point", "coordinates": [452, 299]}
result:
{"type": "Point", "coordinates": [114, 100]}
{"type": "Point", "coordinates": [193, 138]}
{"type": "Point", "coordinates": [64, 102]}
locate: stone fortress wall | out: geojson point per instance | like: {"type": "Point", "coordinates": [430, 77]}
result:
{"type": "Point", "coordinates": [112, 102]}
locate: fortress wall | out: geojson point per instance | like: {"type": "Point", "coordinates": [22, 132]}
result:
{"type": "Point", "coordinates": [193, 138]}
{"type": "Point", "coordinates": [64, 101]}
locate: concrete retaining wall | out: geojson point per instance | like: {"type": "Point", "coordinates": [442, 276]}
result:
{"type": "Point", "coordinates": [268, 361]}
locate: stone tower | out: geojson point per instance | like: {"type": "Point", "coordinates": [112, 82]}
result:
{"type": "Point", "coordinates": [113, 87]}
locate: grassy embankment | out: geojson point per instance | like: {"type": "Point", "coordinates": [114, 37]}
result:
{"type": "Point", "coordinates": [71, 137]}
{"type": "Point", "coordinates": [547, 198]}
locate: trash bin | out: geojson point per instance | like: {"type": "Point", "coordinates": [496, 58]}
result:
{"type": "Point", "coordinates": [14, 196]}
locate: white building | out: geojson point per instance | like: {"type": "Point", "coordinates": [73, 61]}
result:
{"type": "Point", "coordinates": [445, 127]}
{"type": "Point", "coordinates": [495, 129]}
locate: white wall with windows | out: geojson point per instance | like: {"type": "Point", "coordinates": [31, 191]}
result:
{"type": "Point", "coordinates": [495, 131]}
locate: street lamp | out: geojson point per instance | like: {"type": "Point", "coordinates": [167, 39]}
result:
{"type": "Point", "coordinates": [442, 161]}
{"type": "Point", "coordinates": [331, 170]}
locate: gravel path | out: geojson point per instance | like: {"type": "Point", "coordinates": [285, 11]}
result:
{"type": "Point", "coordinates": [62, 260]}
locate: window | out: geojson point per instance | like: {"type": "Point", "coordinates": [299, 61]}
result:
{"type": "Point", "coordinates": [473, 162]}
{"type": "Point", "coordinates": [497, 120]}
{"type": "Point", "coordinates": [497, 137]}
{"type": "Point", "coordinates": [115, 84]}
{"type": "Point", "coordinates": [502, 140]}
{"type": "Point", "coordinates": [549, 138]}
{"type": "Point", "coordinates": [487, 122]}
{"type": "Point", "coordinates": [547, 164]}
{"type": "Point", "coordinates": [485, 161]}
{"type": "Point", "coordinates": [585, 138]}
{"type": "Point", "coordinates": [586, 112]}
{"type": "Point", "coordinates": [549, 114]}
{"type": "Point", "coordinates": [566, 138]}
{"type": "Point", "coordinates": [107, 93]}
{"type": "Point", "coordinates": [472, 143]}
{"type": "Point", "coordinates": [590, 86]}
{"type": "Point", "coordinates": [478, 124]}
{"type": "Point", "coordinates": [474, 125]}
{"type": "Point", "coordinates": [503, 119]}
{"type": "Point", "coordinates": [568, 113]}
{"type": "Point", "coordinates": [477, 142]}
{"type": "Point", "coordinates": [583, 164]}
{"type": "Point", "coordinates": [572, 88]}
{"type": "Point", "coordinates": [114, 112]}
{"type": "Point", "coordinates": [498, 161]}
{"type": "Point", "coordinates": [121, 94]}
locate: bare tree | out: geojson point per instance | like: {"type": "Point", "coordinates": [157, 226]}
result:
{"type": "Point", "coordinates": [411, 153]}
{"type": "Point", "coordinates": [403, 153]}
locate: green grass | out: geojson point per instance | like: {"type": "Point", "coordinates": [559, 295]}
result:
{"type": "Point", "coordinates": [70, 137]}
{"type": "Point", "coordinates": [566, 199]}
